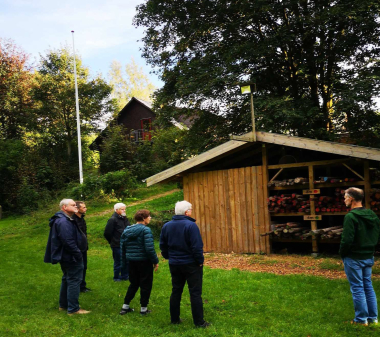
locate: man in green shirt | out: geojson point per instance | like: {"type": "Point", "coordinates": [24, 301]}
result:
{"type": "Point", "coordinates": [361, 230]}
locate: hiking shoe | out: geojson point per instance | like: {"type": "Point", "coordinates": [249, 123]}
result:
{"type": "Point", "coordinates": [144, 313]}
{"type": "Point", "coordinates": [85, 290]}
{"type": "Point", "coordinates": [80, 312]}
{"type": "Point", "coordinates": [125, 311]}
{"type": "Point", "coordinates": [204, 325]}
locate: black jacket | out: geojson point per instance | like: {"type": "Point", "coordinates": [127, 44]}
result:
{"type": "Point", "coordinates": [81, 222]}
{"type": "Point", "coordinates": [66, 242]}
{"type": "Point", "coordinates": [115, 227]}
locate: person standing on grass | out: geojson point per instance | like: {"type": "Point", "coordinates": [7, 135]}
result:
{"type": "Point", "coordinates": [65, 246]}
{"type": "Point", "coordinates": [81, 222]}
{"type": "Point", "coordinates": [361, 233]}
{"type": "Point", "coordinates": [115, 227]}
{"type": "Point", "coordinates": [137, 247]}
{"type": "Point", "coordinates": [181, 243]}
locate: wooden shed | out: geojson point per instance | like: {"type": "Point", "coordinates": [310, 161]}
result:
{"type": "Point", "coordinates": [228, 186]}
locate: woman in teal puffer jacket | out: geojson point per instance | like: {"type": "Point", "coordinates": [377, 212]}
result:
{"type": "Point", "coordinates": [137, 246]}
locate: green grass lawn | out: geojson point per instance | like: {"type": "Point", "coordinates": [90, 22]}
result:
{"type": "Point", "coordinates": [236, 303]}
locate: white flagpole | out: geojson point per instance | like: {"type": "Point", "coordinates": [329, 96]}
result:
{"type": "Point", "coordinates": [78, 120]}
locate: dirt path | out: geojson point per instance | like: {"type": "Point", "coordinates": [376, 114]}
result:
{"type": "Point", "coordinates": [331, 268]}
{"type": "Point", "coordinates": [137, 202]}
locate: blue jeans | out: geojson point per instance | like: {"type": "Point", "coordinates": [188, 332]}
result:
{"type": "Point", "coordinates": [70, 286]}
{"type": "Point", "coordinates": [359, 276]}
{"type": "Point", "coordinates": [119, 273]}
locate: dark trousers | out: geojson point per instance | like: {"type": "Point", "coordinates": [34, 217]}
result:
{"type": "Point", "coordinates": [70, 286]}
{"type": "Point", "coordinates": [119, 273]}
{"type": "Point", "coordinates": [140, 276]}
{"type": "Point", "coordinates": [192, 274]}
{"type": "Point", "coordinates": [83, 284]}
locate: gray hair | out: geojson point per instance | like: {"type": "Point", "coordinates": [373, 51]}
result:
{"type": "Point", "coordinates": [356, 193]}
{"type": "Point", "coordinates": [181, 207]}
{"type": "Point", "coordinates": [64, 202]}
{"type": "Point", "coordinates": [118, 206]}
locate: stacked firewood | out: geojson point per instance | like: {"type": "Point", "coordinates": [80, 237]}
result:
{"type": "Point", "coordinates": [287, 230]}
{"type": "Point", "coordinates": [289, 182]}
{"type": "Point", "coordinates": [331, 204]}
{"type": "Point", "coordinates": [375, 199]}
{"type": "Point", "coordinates": [289, 203]}
{"type": "Point", "coordinates": [374, 174]}
{"type": "Point", "coordinates": [294, 230]}
{"type": "Point", "coordinates": [333, 180]}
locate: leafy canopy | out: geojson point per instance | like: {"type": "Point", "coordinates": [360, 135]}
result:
{"type": "Point", "coordinates": [315, 62]}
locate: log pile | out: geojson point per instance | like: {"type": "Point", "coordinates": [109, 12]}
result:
{"type": "Point", "coordinates": [294, 230]}
{"type": "Point", "coordinates": [375, 199]}
{"type": "Point", "coordinates": [331, 204]}
{"type": "Point", "coordinates": [289, 182]}
{"type": "Point", "coordinates": [374, 174]}
{"type": "Point", "coordinates": [333, 180]}
{"type": "Point", "coordinates": [289, 203]}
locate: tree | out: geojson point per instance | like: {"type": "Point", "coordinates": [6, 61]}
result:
{"type": "Point", "coordinates": [131, 83]}
{"type": "Point", "coordinates": [16, 80]}
{"type": "Point", "coordinates": [315, 62]}
{"type": "Point", "coordinates": [55, 94]}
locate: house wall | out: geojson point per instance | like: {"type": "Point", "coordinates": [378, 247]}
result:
{"type": "Point", "coordinates": [229, 207]}
{"type": "Point", "coordinates": [132, 114]}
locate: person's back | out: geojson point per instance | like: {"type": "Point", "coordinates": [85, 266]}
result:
{"type": "Point", "coordinates": [362, 230]}
{"type": "Point", "coordinates": [183, 240]}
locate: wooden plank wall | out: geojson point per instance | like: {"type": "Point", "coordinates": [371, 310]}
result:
{"type": "Point", "coordinates": [229, 207]}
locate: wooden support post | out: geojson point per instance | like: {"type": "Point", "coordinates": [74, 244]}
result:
{"type": "Point", "coordinates": [312, 208]}
{"type": "Point", "coordinates": [367, 185]}
{"type": "Point", "coordinates": [266, 194]}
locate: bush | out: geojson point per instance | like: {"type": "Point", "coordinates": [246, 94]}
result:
{"type": "Point", "coordinates": [120, 183]}
{"type": "Point", "coordinates": [158, 220]}
{"type": "Point", "coordinates": [92, 188]}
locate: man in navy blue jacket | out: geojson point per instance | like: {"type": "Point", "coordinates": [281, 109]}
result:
{"type": "Point", "coordinates": [65, 246]}
{"type": "Point", "coordinates": [181, 243]}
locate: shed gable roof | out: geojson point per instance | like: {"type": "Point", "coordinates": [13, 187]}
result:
{"type": "Point", "coordinates": [271, 138]}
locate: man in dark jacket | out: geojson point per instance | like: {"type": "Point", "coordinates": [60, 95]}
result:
{"type": "Point", "coordinates": [81, 222]}
{"type": "Point", "coordinates": [361, 230]}
{"type": "Point", "coordinates": [65, 245]}
{"type": "Point", "coordinates": [137, 247]}
{"type": "Point", "coordinates": [181, 243]}
{"type": "Point", "coordinates": [115, 227]}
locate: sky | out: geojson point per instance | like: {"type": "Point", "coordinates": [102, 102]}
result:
{"type": "Point", "coordinates": [103, 30]}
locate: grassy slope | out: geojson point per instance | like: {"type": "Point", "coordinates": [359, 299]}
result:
{"type": "Point", "coordinates": [237, 303]}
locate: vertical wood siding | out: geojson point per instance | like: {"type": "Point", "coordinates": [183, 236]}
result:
{"type": "Point", "coordinates": [229, 207]}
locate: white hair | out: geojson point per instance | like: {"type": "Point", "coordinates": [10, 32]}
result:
{"type": "Point", "coordinates": [64, 202]}
{"type": "Point", "coordinates": [181, 207]}
{"type": "Point", "coordinates": [118, 206]}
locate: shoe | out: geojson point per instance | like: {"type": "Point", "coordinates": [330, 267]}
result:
{"type": "Point", "coordinates": [117, 280]}
{"type": "Point", "coordinates": [62, 309]}
{"type": "Point", "coordinates": [124, 279]}
{"type": "Point", "coordinates": [204, 325]}
{"type": "Point", "coordinates": [373, 323]}
{"type": "Point", "coordinates": [357, 323]}
{"type": "Point", "coordinates": [80, 312]}
{"type": "Point", "coordinates": [125, 311]}
{"type": "Point", "coordinates": [85, 290]}
{"type": "Point", "coordinates": [177, 322]}
{"type": "Point", "coordinates": [144, 313]}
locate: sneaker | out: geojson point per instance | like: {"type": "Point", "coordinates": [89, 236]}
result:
{"type": "Point", "coordinates": [80, 312]}
{"type": "Point", "coordinates": [144, 313]}
{"type": "Point", "coordinates": [204, 325]}
{"type": "Point", "coordinates": [125, 311]}
{"type": "Point", "coordinates": [177, 322]}
{"type": "Point", "coordinates": [373, 323]}
{"type": "Point", "coordinates": [85, 290]}
{"type": "Point", "coordinates": [357, 323]}
{"type": "Point", "coordinates": [117, 279]}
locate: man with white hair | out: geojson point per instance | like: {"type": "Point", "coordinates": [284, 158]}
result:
{"type": "Point", "coordinates": [65, 246]}
{"type": "Point", "coordinates": [181, 243]}
{"type": "Point", "coordinates": [115, 227]}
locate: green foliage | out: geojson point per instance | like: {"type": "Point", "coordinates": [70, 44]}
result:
{"type": "Point", "coordinates": [132, 82]}
{"type": "Point", "coordinates": [315, 63]}
{"type": "Point", "coordinates": [15, 84]}
{"type": "Point", "coordinates": [119, 183]}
